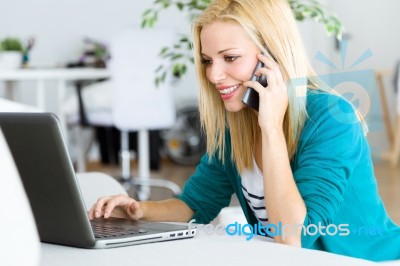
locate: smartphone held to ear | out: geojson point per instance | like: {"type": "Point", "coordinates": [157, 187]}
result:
{"type": "Point", "coordinates": [250, 96]}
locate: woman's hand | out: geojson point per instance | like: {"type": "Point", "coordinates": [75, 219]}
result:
{"type": "Point", "coordinates": [273, 98]}
{"type": "Point", "coordinates": [120, 206]}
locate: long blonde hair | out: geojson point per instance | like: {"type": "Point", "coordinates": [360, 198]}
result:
{"type": "Point", "coordinates": [271, 24]}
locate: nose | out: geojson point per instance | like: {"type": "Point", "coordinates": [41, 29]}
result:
{"type": "Point", "coordinates": [216, 73]}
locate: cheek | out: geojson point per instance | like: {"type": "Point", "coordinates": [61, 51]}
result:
{"type": "Point", "coordinates": [207, 71]}
{"type": "Point", "coordinates": [243, 71]}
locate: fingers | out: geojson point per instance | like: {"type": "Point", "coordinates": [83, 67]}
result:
{"type": "Point", "coordinates": [254, 84]}
{"type": "Point", "coordinates": [105, 205]}
{"type": "Point", "coordinates": [268, 62]}
{"type": "Point", "coordinates": [271, 71]}
{"type": "Point", "coordinates": [97, 209]}
{"type": "Point", "coordinates": [119, 200]}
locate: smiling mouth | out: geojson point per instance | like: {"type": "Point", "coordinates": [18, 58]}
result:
{"type": "Point", "coordinates": [229, 90]}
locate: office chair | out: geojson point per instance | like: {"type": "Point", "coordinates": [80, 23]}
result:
{"type": "Point", "coordinates": [95, 185]}
{"type": "Point", "coordinates": [137, 104]}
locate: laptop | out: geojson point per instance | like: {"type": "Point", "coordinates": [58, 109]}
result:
{"type": "Point", "coordinates": [40, 154]}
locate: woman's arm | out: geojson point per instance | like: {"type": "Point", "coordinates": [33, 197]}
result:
{"type": "Point", "coordinates": [206, 192]}
{"type": "Point", "coordinates": [122, 206]}
{"type": "Point", "coordinates": [283, 200]}
{"type": "Point", "coordinates": [171, 210]}
{"type": "Point", "coordinates": [284, 203]}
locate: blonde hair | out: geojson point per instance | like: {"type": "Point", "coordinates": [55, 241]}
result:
{"type": "Point", "coordinates": [271, 24]}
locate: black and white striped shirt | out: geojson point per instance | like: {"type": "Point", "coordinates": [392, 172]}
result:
{"type": "Point", "coordinates": [253, 191]}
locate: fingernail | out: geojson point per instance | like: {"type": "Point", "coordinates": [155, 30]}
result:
{"type": "Point", "coordinates": [97, 214]}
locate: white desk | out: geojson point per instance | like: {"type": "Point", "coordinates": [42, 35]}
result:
{"type": "Point", "coordinates": [202, 250]}
{"type": "Point", "coordinates": [61, 75]}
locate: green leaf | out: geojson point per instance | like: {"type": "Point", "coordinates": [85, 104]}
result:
{"type": "Point", "coordinates": [146, 12]}
{"type": "Point", "coordinates": [163, 51]}
{"type": "Point", "coordinates": [184, 39]}
{"type": "Point", "coordinates": [183, 70]}
{"type": "Point", "coordinates": [330, 28]}
{"type": "Point", "coordinates": [180, 6]}
{"type": "Point", "coordinates": [11, 44]}
{"type": "Point", "coordinates": [300, 17]}
{"type": "Point", "coordinates": [151, 22]}
{"type": "Point", "coordinates": [165, 4]}
{"type": "Point", "coordinates": [177, 69]}
{"type": "Point", "coordinates": [163, 76]}
{"type": "Point", "coordinates": [177, 56]}
{"type": "Point", "coordinates": [158, 68]}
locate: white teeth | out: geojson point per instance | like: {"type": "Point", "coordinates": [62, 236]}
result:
{"type": "Point", "coordinates": [228, 90]}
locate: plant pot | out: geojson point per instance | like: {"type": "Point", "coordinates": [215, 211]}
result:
{"type": "Point", "coordinates": [10, 60]}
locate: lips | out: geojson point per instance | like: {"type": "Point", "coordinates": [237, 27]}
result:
{"type": "Point", "coordinates": [228, 90]}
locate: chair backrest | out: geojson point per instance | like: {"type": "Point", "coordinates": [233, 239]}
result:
{"type": "Point", "coordinates": [95, 185]}
{"type": "Point", "coordinates": [19, 243]}
{"type": "Point", "coordinates": [137, 103]}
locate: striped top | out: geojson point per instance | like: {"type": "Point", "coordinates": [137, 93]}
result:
{"type": "Point", "coordinates": [253, 191]}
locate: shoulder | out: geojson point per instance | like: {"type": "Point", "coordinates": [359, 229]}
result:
{"type": "Point", "coordinates": [331, 123]}
{"type": "Point", "coordinates": [321, 101]}
{"type": "Point", "coordinates": [330, 109]}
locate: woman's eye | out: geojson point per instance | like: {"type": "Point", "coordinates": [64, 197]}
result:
{"type": "Point", "coordinates": [231, 58]}
{"type": "Point", "coordinates": [206, 61]}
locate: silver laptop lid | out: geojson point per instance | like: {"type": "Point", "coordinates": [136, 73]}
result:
{"type": "Point", "coordinates": [40, 154]}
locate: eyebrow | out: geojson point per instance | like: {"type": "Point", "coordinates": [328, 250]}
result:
{"type": "Point", "coordinates": [220, 52]}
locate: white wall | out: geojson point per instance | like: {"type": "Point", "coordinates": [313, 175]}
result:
{"type": "Point", "coordinates": [317, 40]}
{"type": "Point", "coordinates": [60, 26]}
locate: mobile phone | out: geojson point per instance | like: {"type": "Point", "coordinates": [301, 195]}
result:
{"type": "Point", "coordinates": [250, 96]}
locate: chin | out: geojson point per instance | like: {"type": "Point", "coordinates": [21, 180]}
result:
{"type": "Point", "coordinates": [234, 107]}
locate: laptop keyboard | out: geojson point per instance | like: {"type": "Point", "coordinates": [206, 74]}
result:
{"type": "Point", "coordinates": [104, 229]}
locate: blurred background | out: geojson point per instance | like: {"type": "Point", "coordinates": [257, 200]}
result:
{"type": "Point", "coordinates": [75, 34]}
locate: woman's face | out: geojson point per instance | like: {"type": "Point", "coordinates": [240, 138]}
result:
{"type": "Point", "coordinates": [229, 57]}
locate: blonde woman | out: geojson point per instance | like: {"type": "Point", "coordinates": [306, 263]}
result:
{"type": "Point", "coordinates": [302, 161]}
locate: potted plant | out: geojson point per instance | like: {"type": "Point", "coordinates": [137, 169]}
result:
{"type": "Point", "coordinates": [11, 51]}
{"type": "Point", "coordinates": [179, 54]}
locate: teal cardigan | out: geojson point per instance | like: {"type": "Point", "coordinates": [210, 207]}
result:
{"type": "Point", "coordinates": [334, 173]}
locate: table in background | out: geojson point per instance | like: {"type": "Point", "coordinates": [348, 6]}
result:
{"type": "Point", "coordinates": [61, 75]}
